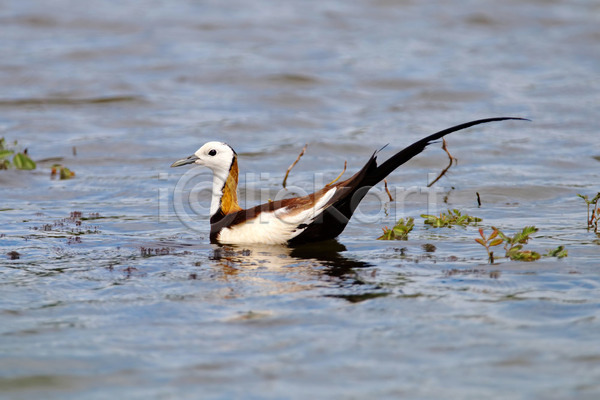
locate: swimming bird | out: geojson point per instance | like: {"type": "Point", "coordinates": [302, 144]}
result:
{"type": "Point", "coordinates": [319, 216]}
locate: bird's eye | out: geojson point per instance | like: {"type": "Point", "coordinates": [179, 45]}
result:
{"type": "Point", "coordinates": [213, 152]}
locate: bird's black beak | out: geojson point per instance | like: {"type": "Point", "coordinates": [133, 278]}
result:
{"type": "Point", "coordinates": [190, 160]}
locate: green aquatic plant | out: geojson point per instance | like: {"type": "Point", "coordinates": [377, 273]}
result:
{"type": "Point", "coordinates": [592, 220]}
{"type": "Point", "coordinates": [514, 244]}
{"type": "Point", "coordinates": [399, 231]}
{"type": "Point", "coordinates": [517, 254]}
{"type": "Point", "coordinates": [10, 157]}
{"type": "Point", "coordinates": [558, 252]}
{"type": "Point", "coordinates": [449, 219]}
{"type": "Point", "coordinates": [62, 172]}
{"type": "Point", "coordinates": [20, 159]}
{"type": "Point", "coordinates": [489, 241]}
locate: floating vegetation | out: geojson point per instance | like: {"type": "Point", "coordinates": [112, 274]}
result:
{"type": "Point", "coordinates": [90, 216]}
{"type": "Point", "coordinates": [73, 226]}
{"type": "Point", "coordinates": [514, 244]}
{"type": "Point", "coordinates": [11, 157]}
{"type": "Point", "coordinates": [477, 272]}
{"type": "Point", "coordinates": [451, 218]}
{"type": "Point", "coordinates": [400, 231]}
{"type": "Point", "coordinates": [523, 255]}
{"type": "Point", "coordinates": [20, 159]}
{"type": "Point", "coordinates": [429, 248]}
{"type": "Point", "coordinates": [74, 240]}
{"type": "Point", "coordinates": [558, 252]}
{"type": "Point", "coordinates": [592, 220]}
{"type": "Point", "coordinates": [61, 172]}
{"type": "Point", "coordinates": [489, 241]}
{"type": "Point", "coordinates": [150, 252]}
{"type": "Point", "coordinates": [132, 271]}
{"type": "Point", "coordinates": [226, 253]}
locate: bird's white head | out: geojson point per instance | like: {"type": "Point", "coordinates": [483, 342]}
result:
{"type": "Point", "coordinates": [222, 160]}
{"type": "Point", "coordinates": [217, 156]}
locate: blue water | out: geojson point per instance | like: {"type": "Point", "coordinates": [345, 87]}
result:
{"type": "Point", "coordinates": [130, 300]}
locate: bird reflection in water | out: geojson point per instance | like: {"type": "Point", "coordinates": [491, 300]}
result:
{"type": "Point", "coordinates": [314, 266]}
{"type": "Point", "coordinates": [324, 255]}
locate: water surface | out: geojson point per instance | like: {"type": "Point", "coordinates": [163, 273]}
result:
{"type": "Point", "coordinates": [126, 300]}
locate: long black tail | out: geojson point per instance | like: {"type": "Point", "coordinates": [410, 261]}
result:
{"type": "Point", "coordinates": [409, 152]}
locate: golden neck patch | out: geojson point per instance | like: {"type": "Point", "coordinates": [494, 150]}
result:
{"type": "Point", "coordinates": [229, 201]}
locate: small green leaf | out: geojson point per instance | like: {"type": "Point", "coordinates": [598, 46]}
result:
{"type": "Point", "coordinates": [66, 173]}
{"type": "Point", "coordinates": [399, 231]}
{"type": "Point", "coordinates": [496, 242]}
{"type": "Point", "coordinates": [528, 255]}
{"type": "Point", "coordinates": [501, 234]}
{"type": "Point", "coordinates": [559, 252]}
{"type": "Point", "coordinates": [449, 218]}
{"type": "Point", "coordinates": [22, 161]}
{"type": "Point", "coordinates": [5, 153]}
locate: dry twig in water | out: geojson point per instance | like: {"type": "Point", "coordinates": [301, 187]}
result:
{"type": "Point", "coordinates": [387, 190]}
{"type": "Point", "coordinates": [452, 160]}
{"type": "Point", "coordinates": [339, 176]}
{"type": "Point", "coordinates": [294, 163]}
